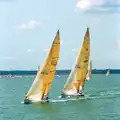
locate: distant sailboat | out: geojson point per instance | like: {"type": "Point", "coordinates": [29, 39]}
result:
{"type": "Point", "coordinates": [108, 72]}
{"type": "Point", "coordinates": [75, 83]}
{"type": "Point", "coordinates": [42, 83]}
{"type": "Point", "coordinates": [38, 68]}
{"type": "Point", "coordinates": [89, 73]}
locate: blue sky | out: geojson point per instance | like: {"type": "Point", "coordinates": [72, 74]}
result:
{"type": "Point", "coordinates": [28, 28]}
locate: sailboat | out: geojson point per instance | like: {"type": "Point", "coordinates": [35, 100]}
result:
{"type": "Point", "coordinates": [89, 73]}
{"type": "Point", "coordinates": [75, 82]}
{"type": "Point", "coordinates": [108, 72]}
{"type": "Point", "coordinates": [42, 83]}
{"type": "Point", "coordinates": [38, 68]}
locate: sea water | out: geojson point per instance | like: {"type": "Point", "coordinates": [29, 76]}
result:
{"type": "Point", "coordinates": [101, 101]}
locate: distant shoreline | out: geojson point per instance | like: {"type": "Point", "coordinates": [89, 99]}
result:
{"type": "Point", "coordinates": [58, 72]}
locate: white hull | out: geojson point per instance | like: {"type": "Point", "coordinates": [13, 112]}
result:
{"type": "Point", "coordinates": [71, 96]}
{"type": "Point", "coordinates": [74, 94]}
{"type": "Point", "coordinates": [35, 101]}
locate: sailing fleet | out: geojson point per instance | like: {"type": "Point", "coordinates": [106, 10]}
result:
{"type": "Point", "coordinates": [74, 85]}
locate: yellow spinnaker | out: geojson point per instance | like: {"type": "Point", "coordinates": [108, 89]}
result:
{"type": "Point", "coordinates": [42, 83]}
{"type": "Point", "coordinates": [78, 74]}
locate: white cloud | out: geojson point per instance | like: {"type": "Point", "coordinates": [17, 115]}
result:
{"type": "Point", "coordinates": [32, 24]}
{"type": "Point", "coordinates": [29, 50]}
{"type": "Point", "coordinates": [7, 58]}
{"type": "Point", "coordinates": [87, 4]}
{"type": "Point", "coordinates": [74, 50]}
{"type": "Point", "coordinates": [83, 4]}
{"type": "Point", "coordinates": [99, 5]}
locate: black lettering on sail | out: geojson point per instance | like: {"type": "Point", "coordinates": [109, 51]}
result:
{"type": "Point", "coordinates": [77, 66]}
{"type": "Point", "coordinates": [85, 61]}
{"type": "Point", "coordinates": [54, 62]}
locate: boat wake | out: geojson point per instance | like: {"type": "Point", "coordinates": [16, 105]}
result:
{"type": "Point", "coordinates": [67, 99]}
{"type": "Point", "coordinates": [98, 95]}
{"type": "Point", "coordinates": [22, 102]}
{"type": "Point", "coordinates": [58, 101]}
{"type": "Point", "coordinates": [102, 95]}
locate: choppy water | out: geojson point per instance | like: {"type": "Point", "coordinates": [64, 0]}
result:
{"type": "Point", "coordinates": [101, 101]}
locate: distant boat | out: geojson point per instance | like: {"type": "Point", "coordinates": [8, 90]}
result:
{"type": "Point", "coordinates": [42, 83]}
{"type": "Point", "coordinates": [108, 72]}
{"type": "Point", "coordinates": [38, 68]}
{"type": "Point", "coordinates": [18, 76]}
{"type": "Point", "coordinates": [74, 85]}
{"type": "Point", "coordinates": [89, 73]}
{"type": "Point", "coordinates": [11, 76]}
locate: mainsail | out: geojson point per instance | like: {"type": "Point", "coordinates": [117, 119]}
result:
{"type": "Point", "coordinates": [108, 72]}
{"type": "Point", "coordinates": [77, 76]}
{"type": "Point", "coordinates": [89, 71]}
{"type": "Point", "coordinates": [42, 83]}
